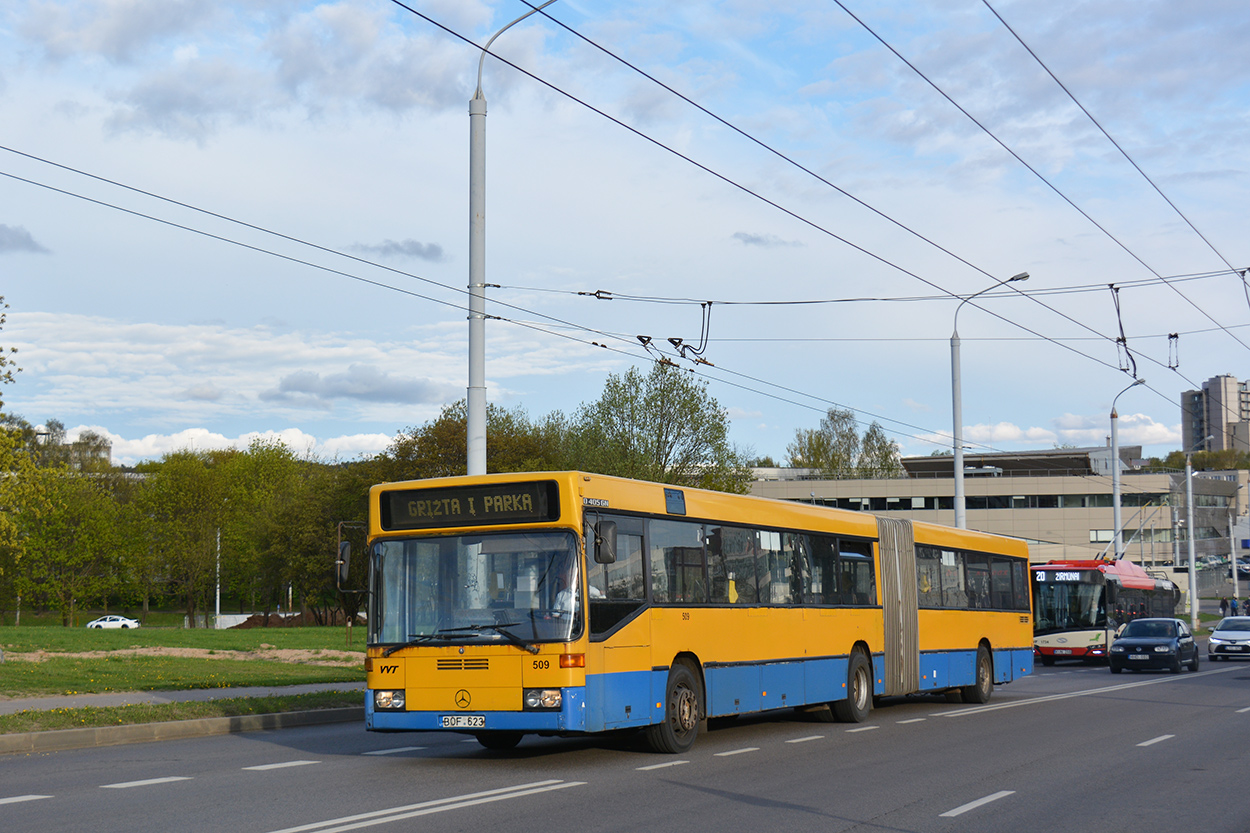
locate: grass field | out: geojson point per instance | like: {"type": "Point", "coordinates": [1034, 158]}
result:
{"type": "Point", "coordinates": [82, 661]}
{"type": "Point", "coordinates": [28, 639]}
{"type": "Point", "coordinates": [53, 719]}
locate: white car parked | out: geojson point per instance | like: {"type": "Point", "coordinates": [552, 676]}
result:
{"type": "Point", "coordinates": [113, 622]}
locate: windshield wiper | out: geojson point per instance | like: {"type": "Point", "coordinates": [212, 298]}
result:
{"type": "Point", "coordinates": [499, 629]}
{"type": "Point", "coordinates": [415, 639]}
{"type": "Point", "coordinates": [446, 633]}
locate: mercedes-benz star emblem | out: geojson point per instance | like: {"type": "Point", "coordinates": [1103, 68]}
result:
{"type": "Point", "coordinates": [463, 699]}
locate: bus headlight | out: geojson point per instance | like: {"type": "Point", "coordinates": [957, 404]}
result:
{"type": "Point", "coordinates": [543, 698]}
{"type": "Point", "coordinates": [385, 699]}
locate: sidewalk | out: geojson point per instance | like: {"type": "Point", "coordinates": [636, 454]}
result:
{"type": "Point", "coordinates": [145, 732]}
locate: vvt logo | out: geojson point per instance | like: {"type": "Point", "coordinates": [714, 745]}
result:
{"type": "Point", "coordinates": [388, 669]}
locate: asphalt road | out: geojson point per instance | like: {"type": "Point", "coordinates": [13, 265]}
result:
{"type": "Point", "coordinates": [1071, 748]}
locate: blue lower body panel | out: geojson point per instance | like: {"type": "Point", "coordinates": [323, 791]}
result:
{"type": "Point", "coordinates": [635, 698]}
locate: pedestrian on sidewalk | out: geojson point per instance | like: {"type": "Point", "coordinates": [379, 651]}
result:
{"type": "Point", "coordinates": [1224, 607]}
{"type": "Point", "coordinates": [1232, 605]}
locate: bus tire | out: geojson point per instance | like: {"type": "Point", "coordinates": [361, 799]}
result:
{"type": "Point", "coordinates": [683, 710]}
{"type": "Point", "coordinates": [1047, 661]}
{"type": "Point", "coordinates": [980, 691]}
{"type": "Point", "coordinates": [858, 702]}
{"type": "Point", "coordinates": [499, 741]}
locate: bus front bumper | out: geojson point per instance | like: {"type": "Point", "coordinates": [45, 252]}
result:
{"type": "Point", "coordinates": [570, 717]}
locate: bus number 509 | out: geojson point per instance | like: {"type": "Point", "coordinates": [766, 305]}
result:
{"type": "Point", "coordinates": [542, 664]}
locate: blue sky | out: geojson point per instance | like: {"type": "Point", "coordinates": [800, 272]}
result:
{"type": "Point", "coordinates": [344, 125]}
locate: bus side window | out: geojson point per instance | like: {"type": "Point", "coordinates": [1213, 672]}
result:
{"type": "Point", "coordinates": [928, 577]}
{"type": "Point", "coordinates": [822, 586]}
{"type": "Point", "coordinates": [618, 589]}
{"type": "Point", "coordinates": [858, 583]}
{"type": "Point", "coordinates": [677, 563]}
{"type": "Point", "coordinates": [731, 565]}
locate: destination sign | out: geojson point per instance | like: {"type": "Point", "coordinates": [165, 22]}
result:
{"type": "Point", "coordinates": [1065, 575]}
{"type": "Point", "coordinates": [495, 503]}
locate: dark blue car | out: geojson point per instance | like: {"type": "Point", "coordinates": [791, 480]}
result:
{"type": "Point", "coordinates": [1154, 643]}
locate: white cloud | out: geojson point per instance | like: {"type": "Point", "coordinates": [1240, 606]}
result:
{"type": "Point", "coordinates": [129, 451]}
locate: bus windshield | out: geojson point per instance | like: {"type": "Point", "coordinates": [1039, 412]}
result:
{"type": "Point", "coordinates": [1068, 606]}
{"type": "Point", "coordinates": [480, 588]}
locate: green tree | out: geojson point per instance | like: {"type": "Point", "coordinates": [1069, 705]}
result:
{"type": "Point", "coordinates": [20, 501]}
{"type": "Point", "coordinates": [438, 448]}
{"type": "Point", "coordinates": [7, 363]}
{"type": "Point", "coordinates": [185, 501]}
{"type": "Point", "coordinates": [663, 427]}
{"type": "Point", "coordinates": [837, 449]}
{"type": "Point", "coordinates": [879, 455]}
{"type": "Point", "coordinates": [833, 448]}
{"type": "Point", "coordinates": [73, 543]}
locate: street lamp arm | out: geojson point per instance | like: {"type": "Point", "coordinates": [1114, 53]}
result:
{"type": "Point", "coordinates": [1023, 276]}
{"type": "Point", "coordinates": [482, 61]}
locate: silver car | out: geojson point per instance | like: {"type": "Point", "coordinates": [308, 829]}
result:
{"type": "Point", "coordinates": [1230, 638]}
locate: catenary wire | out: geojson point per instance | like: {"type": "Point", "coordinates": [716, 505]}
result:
{"type": "Point", "coordinates": [1031, 169]}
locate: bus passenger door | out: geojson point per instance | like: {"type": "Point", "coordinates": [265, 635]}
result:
{"type": "Point", "coordinates": [899, 605]}
{"type": "Point", "coordinates": [618, 691]}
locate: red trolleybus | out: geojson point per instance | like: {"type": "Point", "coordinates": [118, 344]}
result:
{"type": "Point", "coordinates": [1079, 605]}
{"type": "Point", "coordinates": [566, 603]}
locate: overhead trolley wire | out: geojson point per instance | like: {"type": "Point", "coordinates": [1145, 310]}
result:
{"type": "Point", "coordinates": [1031, 169]}
{"type": "Point", "coordinates": [727, 180]}
{"type": "Point", "coordinates": [733, 183]}
{"type": "Point", "coordinates": [1123, 152]}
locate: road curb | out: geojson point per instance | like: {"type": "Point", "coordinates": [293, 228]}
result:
{"type": "Point", "coordinates": [61, 739]}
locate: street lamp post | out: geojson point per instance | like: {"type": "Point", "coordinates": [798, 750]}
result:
{"type": "Point", "coordinates": [1118, 535]}
{"type": "Point", "coordinates": [475, 402]}
{"type": "Point", "coordinates": [1189, 527]}
{"type": "Point", "coordinates": [961, 520]}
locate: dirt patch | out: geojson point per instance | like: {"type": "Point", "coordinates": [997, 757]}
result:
{"type": "Point", "coordinates": [342, 659]}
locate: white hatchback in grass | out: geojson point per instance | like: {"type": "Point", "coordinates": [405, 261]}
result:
{"type": "Point", "coordinates": [1230, 638]}
{"type": "Point", "coordinates": [113, 622]}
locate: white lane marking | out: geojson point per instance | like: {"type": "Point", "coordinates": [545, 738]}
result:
{"type": "Point", "coordinates": [972, 805]}
{"type": "Point", "coordinates": [806, 739]}
{"type": "Point", "coordinates": [282, 765]}
{"type": "Point", "coordinates": [394, 751]}
{"type": "Point", "coordinates": [863, 729]}
{"type": "Point", "coordinates": [1171, 678]}
{"type": "Point", "coordinates": [425, 808]}
{"type": "Point", "coordinates": [1153, 741]}
{"type": "Point", "coordinates": [913, 720]}
{"type": "Point", "coordinates": [128, 784]}
{"type": "Point", "coordinates": [1243, 711]}
{"type": "Point", "coordinates": [660, 766]}
{"type": "Point", "coordinates": [19, 798]}
{"type": "Point", "coordinates": [736, 752]}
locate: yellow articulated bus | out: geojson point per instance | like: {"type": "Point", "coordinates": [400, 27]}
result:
{"type": "Point", "coordinates": [565, 603]}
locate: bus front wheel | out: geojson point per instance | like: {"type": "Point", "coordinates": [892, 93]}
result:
{"type": "Point", "coordinates": [683, 709]}
{"type": "Point", "coordinates": [980, 691]}
{"type": "Point", "coordinates": [499, 741]}
{"type": "Point", "coordinates": [858, 702]}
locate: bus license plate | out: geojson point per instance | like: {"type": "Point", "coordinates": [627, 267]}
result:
{"type": "Point", "coordinates": [1139, 656]}
{"type": "Point", "coordinates": [464, 721]}
{"type": "Point", "coordinates": [1063, 651]}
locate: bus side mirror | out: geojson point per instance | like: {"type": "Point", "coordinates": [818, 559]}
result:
{"type": "Point", "coordinates": [345, 555]}
{"type": "Point", "coordinates": [605, 542]}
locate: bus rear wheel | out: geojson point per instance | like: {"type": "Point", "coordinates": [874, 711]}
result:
{"type": "Point", "coordinates": [858, 702]}
{"type": "Point", "coordinates": [683, 710]}
{"type": "Point", "coordinates": [980, 691]}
